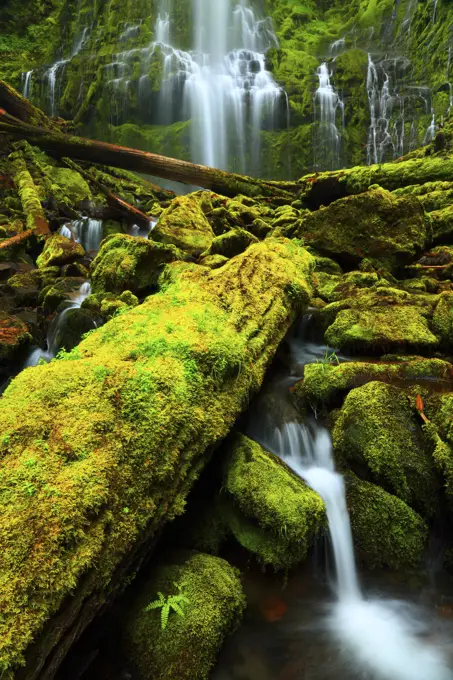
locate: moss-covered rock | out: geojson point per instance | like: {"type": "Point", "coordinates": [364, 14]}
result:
{"type": "Point", "coordinates": [188, 647]}
{"type": "Point", "coordinates": [443, 320]}
{"type": "Point", "coordinates": [73, 326]}
{"type": "Point", "coordinates": [275, 515]}
{"type": "Point", "coordinates": [14, 337]}
{"type": "Point", "coordinates": [325, 383]}
{"type": "Point", "coordinates": [59, 250]}
{"type": "Point", "coordinates": [376, 433]}
{"type": "Point", "coordinates": [374, 224]}
{"type": "Point", "coordinates": [127, 263]}
{"type": "Point", "coordinates": [26, 286]}
{"type": "Point", "coordinates": [232, 243]}
{"type": "Point", "coordinates": [213, 261]}
{"type": "Point", "coordinates": [389, 328]}
{"type": "Point", "coordinates": [386, 531]}
{"type": "Point", "coordinates": [102, 445]}
{"type": "Point", "coordinates": [61, 291]}
{"type": "Point", "coordinates": [184, 224]}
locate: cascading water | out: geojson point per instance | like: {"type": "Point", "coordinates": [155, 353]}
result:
{"type": "Point", "coordinates": [88, 232]}
{"type": "Point", "coordinates": [384, 639]}
{"type": "Point", "coordinates": [55, 329]}
{"type": "Point", "coordinates": [27, 78]}
{"type": "Point", "coordinates": [327, 139]}
{"type": "Point", "coordinates": [222, 84]}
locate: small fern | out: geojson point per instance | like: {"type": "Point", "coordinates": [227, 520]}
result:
{"type": "Point", "coordinates": [328, 359]}
{"type": "Point", "coordinates": [168, 604]}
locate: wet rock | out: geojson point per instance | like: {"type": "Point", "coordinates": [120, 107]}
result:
{"type": "Point", "coordinates": [74, 325]}
{"type": "Point", "coordinates": [58, 251]}
{"type": "Point", "coordinates": [53, 295]}
{"type": "Point", "coordinates": [14, 337]}
{"type": "Point", "coordinates": [377, 433]}
{"type": "Point", "coordinates": [127, 263]}
{"type": "Point", "coordinates": [212, 608]}
{"type": "Point", "coordinates": [271, 512]}
{"type": "Point", "coordinates": [386, 531]}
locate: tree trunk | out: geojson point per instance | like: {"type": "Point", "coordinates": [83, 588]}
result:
{"type": "Point", "coordinates": [31, 203]}
{"type": "Point", "coordinates": [16, 105]}
{"type": "Point", "coordinates": [219, 181]}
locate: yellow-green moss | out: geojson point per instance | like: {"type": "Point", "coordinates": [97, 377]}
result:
{"type": "Point", "coordinates": [59, 250]}
{"type": "Point", "coordinates": [188, 647]}
{"type": "Point", "coordinates": [129, 263]}
{"type": "Point", "coordinates": [376, 430]}
{"type": "Point", "coordinates": [386, 531]}
{"type": "Point", "coordinates": [232, 243]}
{"type": "Point", "coordinates": [281, 514]}
{"type": "Point", "coordinates": [184, 225]}
{"type": "Point", "coordinates": [14, 336]}
{"type": "Point", "coordinates": [102, 445]}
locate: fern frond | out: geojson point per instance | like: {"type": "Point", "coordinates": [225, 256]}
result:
{"type": "Point", "coordinates": [177, 608]}
{"type": "Point", "coordinates": [153, 605]}
{"type": "Point", "coordinates": [164, 615]}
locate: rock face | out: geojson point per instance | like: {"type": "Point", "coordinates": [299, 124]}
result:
{"type": "Point", "coordinates": [107, 441]}
{"type": "Point", "coordinates": [277, 527]}
{"type": "Point", "coordinates": [374, 224]}
{"type": "Point", "coordinates": [188, 647]}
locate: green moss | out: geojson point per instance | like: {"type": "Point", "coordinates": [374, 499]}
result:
{"type": "Point", "coordinates": [58, 292]}
{"type": "Point", "coordinates": [188, 648]}
{"type": "Point", "coordinates": [382, 328]}
{"type": "Point", "coordinates": [213, 261]}
{"type": "Point", "coordinates": [372, 224]}
{"type": "Point", "coordinates": [376, 431]}
{"type": "Point", "coordinates": [59, 250]}
{"type": "Point", "coordinates": [102, 445]}
{"type": "Point", "coordinates": [14, 337]}
{"type": "Point", "coordinates": [281, 514]}
{"type": "Point", "coordinates": [325, 384]}
{"type": "Point", "coordinates": [232, 243]}
{"type": "Point", "coordinates": [386, 531]}
{"type": "Point", "coordinates": [129, 263]}
{"type": "Point", "coordinates": [184, 225]}
{"type": "Point", "coordinates": [443, 320]}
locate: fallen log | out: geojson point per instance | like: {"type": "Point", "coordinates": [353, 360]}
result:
{"type": "Point", "coordinates": [16, 240]}
{"type": "Point", "coordinates": [28, 193]}
{"type": "Point", "coordinates": [19, 107]}
{"type": "Point", "coordinates": [99, 449]}
{"type": "Point", "coordinates": [115, 201]}
{"type": "Point", "coordinates": [221, 182]}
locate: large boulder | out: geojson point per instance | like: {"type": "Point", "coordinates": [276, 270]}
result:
{"type": "Point", "coordinates": [107, 441]}
{"type": "Point", "coordinates": [271, 512]}
{"type": "Point", "coordinates": [130, 263]}
{"type": "Point", "coordinates": [377, 434]}
{"type": "Point", "coordinates": [59, 250]}
{"type": "Point", "coordinates": [188, 646]}
{"type": "Point", "coordinates": [184, 224]}
{"type": "Point", "coordinates": [374, 224]}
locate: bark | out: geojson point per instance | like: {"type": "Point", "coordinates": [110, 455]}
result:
{"type": "Point", "coordinates": [28, 193]}
{"type": "Point", "coordinates": [219, 181]}
{"type": "Point", "coordinates": [16, 240]}
{"type": "Point", "coordinates": [16, 105]}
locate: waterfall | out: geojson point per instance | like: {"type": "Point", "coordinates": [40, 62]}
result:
{"type": "Point", "coordinates": [27, 84]}
{"type": "Point", "coordinates": [222, 84]}
{"type": "Point", "coordinates": [55, 329]}
{"type": "Point", "coordinates": [384, 638]}
{"type": "Point", "coordinates": [87, 232]}
{"type": "Point", "coordinates": [431, 130]}
{"type": "Point", "coordinates": [327, 138]}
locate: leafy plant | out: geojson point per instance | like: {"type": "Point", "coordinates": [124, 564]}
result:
{"type": "Point", "coordinates": [168, 604]}
{"type": "Point", "coordinates": [328, 359]}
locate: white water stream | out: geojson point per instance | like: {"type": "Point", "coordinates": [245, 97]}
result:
{"type": "Point", "coordinates": [384, 639]}
{"type": "Point", "coordinates": [87, 231]}
{"type": "Point", "coordinates": [329, 110]}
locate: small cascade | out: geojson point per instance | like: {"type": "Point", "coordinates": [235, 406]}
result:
{"type": "Point", "coordinates": [431, 130]}
{"type": "Point", "coordinates": [52, 76]}
{"type": "Point", "coordinates": [434, 11]}
{"type": "Point", "coordinates": [27, 78]}
{"type": "Point", "coordinates": [384, 638]}
{"type": "Point", "coordinates": [328, 108]}
{"type": "Point", "coordinates": [88, 232]}
{"type": "Point", "coordinates": [55, 329]}
{"type": "Point", "coordinates": [337, 47]}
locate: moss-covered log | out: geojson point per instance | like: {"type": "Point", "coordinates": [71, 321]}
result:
{"type": "Point", "coordinates": [99, 448]}
{"type": "Point", "coordinates": [323, 188]}
{"type": "Point", "coordinates": [219, 181]}
{"type": "Point", "coordinates": [19, 107]}
{"type": "Point", "coordinates": [31, 203]}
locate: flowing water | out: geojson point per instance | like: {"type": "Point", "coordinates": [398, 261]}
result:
{"type": "Point", "coordinates": [87, 231]}
{"type": "Point", "coordinates": [56, 328]}
{"type": "Point", "coordinates": [329, 111]}
{"type": "Point", "coordinates": [27, 80]}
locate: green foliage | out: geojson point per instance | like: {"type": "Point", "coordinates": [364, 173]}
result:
{"type": "Point", "coordinates": [168, 604]}
{"type": "Point", "coordinates": [328, 359]}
